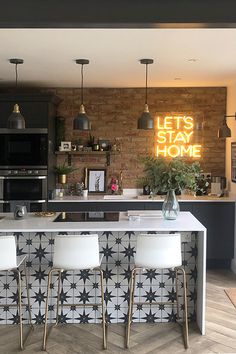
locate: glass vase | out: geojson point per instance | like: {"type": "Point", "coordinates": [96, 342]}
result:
{"type": "Point", "coordinates": [170, 207]}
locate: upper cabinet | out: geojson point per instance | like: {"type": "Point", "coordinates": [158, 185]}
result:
{"type": "Point", "coordinates": [38, 109]}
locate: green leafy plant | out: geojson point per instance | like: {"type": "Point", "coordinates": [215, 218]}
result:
{"type": "Point", "coordinates": [64, 169]}
{"type": "Point", "coordinates": [203, 183]}
{"type": "Point", "coordinates": [162, 174]}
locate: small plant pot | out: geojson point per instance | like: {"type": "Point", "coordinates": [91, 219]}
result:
{"type": "Point", "coordinates": [62, 179]}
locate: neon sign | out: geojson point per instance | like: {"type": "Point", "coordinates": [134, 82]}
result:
{"type": "Point", "coordinates": [174, 136]}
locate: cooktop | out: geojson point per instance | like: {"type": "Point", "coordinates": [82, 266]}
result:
{"type": "Point", "coordinates": [87, 217]}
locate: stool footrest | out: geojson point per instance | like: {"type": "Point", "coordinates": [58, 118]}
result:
{"type": "Point", "coordinates": [174, 303]}
{"type": "Point", "coordinates": [79, 305]}
{"type": "Point", "coordinates": [13, 305]}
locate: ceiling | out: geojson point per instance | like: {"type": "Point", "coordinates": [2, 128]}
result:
{"type": "Point", "coordinates": [182, 57]}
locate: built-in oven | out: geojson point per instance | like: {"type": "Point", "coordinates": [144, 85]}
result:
{"type": "Point", "coordinates": [25, 187]}
{"type": "Point", "coordinates": [23, 148]}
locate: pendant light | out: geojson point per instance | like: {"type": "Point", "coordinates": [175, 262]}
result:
{"type": "Point", "coordinates": [224, 131]}
{"type": "Point", "coordinates": [16, 120]}
{"type": "Point", "coordinates": [145, 121]}
{"type": "Point", "coordinates": [81, 121]}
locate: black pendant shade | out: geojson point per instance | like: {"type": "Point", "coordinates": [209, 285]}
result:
{"type": "Point", "coordinates": [224, 131]}
{"type": "Point", "coordinates": [81, 121]}
{"type": "Point", "coordinates": [146, 121]}
{"type": "Point", "coordinates": [16, 120]}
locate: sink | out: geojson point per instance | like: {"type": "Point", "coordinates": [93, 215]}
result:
{"type": "Point", "coordinates": [118, 197]}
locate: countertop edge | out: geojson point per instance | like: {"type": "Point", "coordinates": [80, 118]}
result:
{"type": "Point", "coordinates": [139, 200]}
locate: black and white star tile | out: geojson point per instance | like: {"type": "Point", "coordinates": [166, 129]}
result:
{"type": "Point", "coordinates": [118, 250]}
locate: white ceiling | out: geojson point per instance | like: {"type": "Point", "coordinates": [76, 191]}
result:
{"type": "Point", "coordinates": [114, 55]}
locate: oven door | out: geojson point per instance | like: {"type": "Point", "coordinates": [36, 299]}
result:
{"type": "Point", "coordinates": [32, 188]}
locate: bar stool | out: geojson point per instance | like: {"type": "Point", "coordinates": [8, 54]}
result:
{"type": "Point", "coordinates": [75, 252]}
{"type": "Point", "coordinates": [158, 251]}
{"type": "Point", "coordinates": [10, 262]}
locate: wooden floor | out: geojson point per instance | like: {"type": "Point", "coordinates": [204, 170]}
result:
{"type": "Point", "coordinates": [153, 339]}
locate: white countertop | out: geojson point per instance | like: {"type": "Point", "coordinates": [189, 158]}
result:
{"type": "Point", "coordinates": [140, 198]}
{"type": "Point", "coordinates": [185, 222]}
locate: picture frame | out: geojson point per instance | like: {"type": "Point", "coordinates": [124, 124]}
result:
{"type": "Point", "coordinates": [233, 162]}
{"type": "Point", "coordinates": [65, 146]}
{"type": "Point", "coordinates": [96, 180]}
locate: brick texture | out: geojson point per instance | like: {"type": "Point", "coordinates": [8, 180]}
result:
{"type": "Point", "coordinates": [114, 113]}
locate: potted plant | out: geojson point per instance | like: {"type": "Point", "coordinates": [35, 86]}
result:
{"type": "Point", "coordinates": [203, 184]}
{"type": "Point", "coordinates": [162, 174]}
{"type": "Point", "coordinates": [62, 171]}
{"type": "Point", "coordinates": [170, 177]}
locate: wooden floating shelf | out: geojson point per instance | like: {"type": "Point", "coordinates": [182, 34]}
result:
{"type": "Point", "coordinates": [87, 152]}
{"type": "Point", "coordinates": [106, 154]}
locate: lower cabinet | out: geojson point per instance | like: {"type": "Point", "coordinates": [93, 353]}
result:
{"type": "Point", "coordinates": [217, 217]}
{"type": "Point", "coordinates": [219, 220]}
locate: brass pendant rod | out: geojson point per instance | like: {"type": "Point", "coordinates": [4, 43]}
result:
{"type": "Point", "coordinates": [82, 84]}
{"type": "Point", "coordinates": [146, 84]}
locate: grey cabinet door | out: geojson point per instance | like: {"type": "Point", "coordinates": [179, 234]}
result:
{"type": "Point", "coordinates": [218, 218]}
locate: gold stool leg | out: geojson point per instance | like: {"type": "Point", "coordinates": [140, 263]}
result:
{"type": "Point", "coordinates": [185, 326]}
{"type": "Point", "coordinates": [177, 291]}
{"type": "Point", "coordinates": [130, 309]}
{"type": "Point", "coordinates": [58, 297]}
{"type": "Point", "coordinates": [104, 324]}
{"type": "Point", "coordinates": [46, 310]}
{"type": "Point", "coordinates": [28, 295]}
{"type": "Point", "coordinates": [20, 308]}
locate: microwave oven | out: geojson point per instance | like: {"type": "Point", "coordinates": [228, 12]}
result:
{"type": "Point", "coordinates": [23, 148]}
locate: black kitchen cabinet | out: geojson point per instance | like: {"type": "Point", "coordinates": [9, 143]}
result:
{"type": "Point", "coordinates": [217, 217]}
{"type": "Point", "coordinates": [95, 206]}
{"type": "Point", "coordinates": [37, 109]}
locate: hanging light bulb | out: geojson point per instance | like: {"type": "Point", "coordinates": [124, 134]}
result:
{"type": "Point", "coordinates": [16, 120]}
{"type": "Point", "coordinates": [145, 121]}
{"type": "Point", "coordinates": [81, 121]}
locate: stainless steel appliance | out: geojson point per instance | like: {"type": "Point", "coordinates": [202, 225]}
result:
{"type": "Point", "coordinates": [24, 185]}
{"type": "Point", "coordinates": [218, 185]}
{"type": "Point", "coordinates": [23, 148]}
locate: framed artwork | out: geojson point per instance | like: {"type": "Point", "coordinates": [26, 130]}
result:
{"type": "Point", "coordinates": [65, 146]}
{"type": "Point", "coordinates": [96, 182]}
{"type": "Point", "coordinates": [233, 162]}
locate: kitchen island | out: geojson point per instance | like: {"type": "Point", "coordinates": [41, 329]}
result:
{"type": "Point", "coordinates": [35, 237]}
{"type": "Point", "coordinates": [217, 214]}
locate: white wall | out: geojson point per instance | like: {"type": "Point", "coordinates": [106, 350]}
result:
{"type": "Point", "coordinates": [231, 109]}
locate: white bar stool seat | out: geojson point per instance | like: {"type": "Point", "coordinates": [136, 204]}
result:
{"type": "Point", "coordinates": [75, 252]}
{"type": "Point", "coordinates": [158, 251]}
{"type": "Point", "coordinates": [10, 262]}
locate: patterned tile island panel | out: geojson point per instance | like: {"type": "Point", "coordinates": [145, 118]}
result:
{"type": "Point", "coordinates": [118, 250]}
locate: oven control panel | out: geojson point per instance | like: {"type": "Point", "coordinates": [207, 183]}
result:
{"type": "Point", "coordinates": [23, 172]}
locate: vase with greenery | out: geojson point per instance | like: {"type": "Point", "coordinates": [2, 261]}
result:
{"type": "Point", "coordinates": [62, 171]}
{"type": "Point", "coordinates": [165, 176]}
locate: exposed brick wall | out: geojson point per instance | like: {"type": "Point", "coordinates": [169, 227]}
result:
{"type": "Point", "coordinates": [114, 113]}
